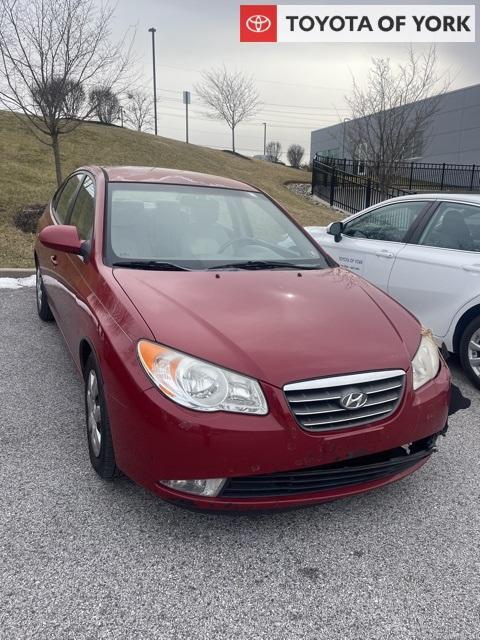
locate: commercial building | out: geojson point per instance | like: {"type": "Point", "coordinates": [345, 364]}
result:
{"type": "Point", "coordinates": [453, 135]}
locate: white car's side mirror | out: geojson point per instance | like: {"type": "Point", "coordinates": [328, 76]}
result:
{"type": "Point", "coordinates": [335, 229]}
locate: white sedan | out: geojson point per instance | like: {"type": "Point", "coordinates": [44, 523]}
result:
{"type": "Point", "coordinates": [424, 250]}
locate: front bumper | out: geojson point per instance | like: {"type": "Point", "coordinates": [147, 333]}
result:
{"type": "Point", "coordinates": [156, 439]}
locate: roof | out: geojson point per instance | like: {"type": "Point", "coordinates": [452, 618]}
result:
{"type": "Point", "coordinates": [474, 198]}
{"type": "Point", "coordinates": [173, 176]}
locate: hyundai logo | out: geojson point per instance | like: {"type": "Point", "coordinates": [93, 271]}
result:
{"type": "Point", "coordinates": [258, 24]}
{"type": "Point", "coordinates": [354, 400]}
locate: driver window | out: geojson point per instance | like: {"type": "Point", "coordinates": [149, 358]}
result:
{"type": "Point", "coordinates": [389, 223]}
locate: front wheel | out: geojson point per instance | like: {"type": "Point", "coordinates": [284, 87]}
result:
{"type": "Point", "coordinates": [470, 351]}
{"type": "Point", "coordinates": [99, 437]}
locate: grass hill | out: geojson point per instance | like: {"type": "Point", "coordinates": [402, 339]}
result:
{"type": "Point", "coordinates": [27, 172]}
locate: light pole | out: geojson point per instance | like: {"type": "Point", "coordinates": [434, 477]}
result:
{"type": "Point", "coordinates": [152, 30]}
{"type": "Point", "coordinates": [186, 102]}
{"type": "Point", "coordinates": [264, 139]}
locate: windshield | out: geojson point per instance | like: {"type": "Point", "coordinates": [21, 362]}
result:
{"type": "Point", "coordinates": [201, 228]}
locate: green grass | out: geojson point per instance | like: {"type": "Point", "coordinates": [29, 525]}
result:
{"type": "Point", "coordinates": [27, 172]}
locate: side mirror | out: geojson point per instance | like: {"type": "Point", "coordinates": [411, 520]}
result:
{"type": "Point", "coordinates": [63, 237]}
{"type": "Point", "coordinates": [335, 229]}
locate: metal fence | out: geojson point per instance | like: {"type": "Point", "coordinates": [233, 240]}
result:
{"type": "Point", "coordinates": [416, 176]}
{"type": "Point", "coordinates": [348, 191]}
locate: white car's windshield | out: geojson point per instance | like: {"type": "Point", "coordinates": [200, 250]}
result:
{"type": "Point", "coordinates": [168, 226]}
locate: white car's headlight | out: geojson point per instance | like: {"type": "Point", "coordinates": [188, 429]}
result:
{"type": "Point", "coordinates": [426, 362]}
{"type": "Point", "coordinates": [199, 385]}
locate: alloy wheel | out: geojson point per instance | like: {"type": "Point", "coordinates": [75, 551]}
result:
{"type": "Point", "coordinates": [94, 415]}
{"type": "Point", "coordinates": [474, 352]}
{"type": "Point", "coordinates": [38, 285]}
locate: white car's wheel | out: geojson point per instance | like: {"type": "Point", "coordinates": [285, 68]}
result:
{"type": "Point", "coordinates": [470, 351]}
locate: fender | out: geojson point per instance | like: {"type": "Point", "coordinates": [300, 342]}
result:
{"type": "Point", "coordinates": [448, 339]}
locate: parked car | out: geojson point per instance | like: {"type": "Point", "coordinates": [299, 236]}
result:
{"type": "Point", "coordinates": [424, 250]}
{"type": "Point", "coordinates": [221, 369]}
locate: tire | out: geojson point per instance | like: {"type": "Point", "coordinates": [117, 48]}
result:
{"type": "Point", "coordinates": [469, 354]}
{"type": "Point", "coordinates": [43, 307]}
{"type": "Point", "coordinates": [99, 437]}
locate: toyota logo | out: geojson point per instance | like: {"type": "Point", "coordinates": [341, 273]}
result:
{"type": "Point", "coordinates": [258, 24]}
{"type": "Point", "coordinates": [354, 400]}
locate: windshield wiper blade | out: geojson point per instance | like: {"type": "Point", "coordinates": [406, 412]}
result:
{"type": "Point", "coordinates": [154, 265]}
{"type": "Point", "coordinates": [263, 264]}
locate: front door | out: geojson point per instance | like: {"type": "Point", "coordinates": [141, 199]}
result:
{"type": "Point", "coordinates": [371, 241]}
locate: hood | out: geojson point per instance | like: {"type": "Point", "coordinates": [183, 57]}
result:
{"type": "Point", "coordinates": [275, 326]}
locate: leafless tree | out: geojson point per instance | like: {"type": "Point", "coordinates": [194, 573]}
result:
{"type": "Point", "coordinates": [295, 155]}
{"type": "Point", "coordinates": [138, 110]}
{"type": "Point", "coordinates": [104, 104]}
{"type": "Point", "coordinates": [274, 151]}
{"type": "Point", "coordinates": [52, 52]}
{"type": "Point", "coordinates": [390, 117]}
{"type": "Point", "coordinates": [231, 97]}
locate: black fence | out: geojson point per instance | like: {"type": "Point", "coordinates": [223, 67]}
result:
{"type": "Point", "coordinates": [348, 191]}
{"type": "Point", "coordinates": [414, 176]}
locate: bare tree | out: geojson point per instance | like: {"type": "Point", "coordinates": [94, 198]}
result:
{"type": "Point", "coordinates": [390, 118]}
{"type": "Point", "coordinates": [273, 151]}
{"type": "Point", "coordinates": [138, 111]}
{"type": "Point", "coordinates": [104, 104]}
{"type": "Point", "coordinates": [231, 97]}
{"type": "Point", "coordinates": [51, 54]}
{"type": "Point", "coordinates": [295, 155]}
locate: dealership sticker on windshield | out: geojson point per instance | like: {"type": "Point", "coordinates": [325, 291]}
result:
{"type": "Point", "coordinates": [357, 23]}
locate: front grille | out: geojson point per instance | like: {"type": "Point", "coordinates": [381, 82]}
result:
{"type": "Point", "coordinates": [317, 404]}
{"type": "Point", "coordinates": [332, 476]}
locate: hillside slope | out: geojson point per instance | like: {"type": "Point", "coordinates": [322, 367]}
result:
{"type": "Point", "coordinates": [27, 172]}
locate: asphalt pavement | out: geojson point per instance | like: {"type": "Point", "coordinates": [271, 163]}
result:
{"type": "Point", "coordinates": [84, 559]}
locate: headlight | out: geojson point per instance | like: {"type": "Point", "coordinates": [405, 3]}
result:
{"type": "Point", "coordinates": [199, 385]}
{"type": "Point", "coordinates": [426, 362]}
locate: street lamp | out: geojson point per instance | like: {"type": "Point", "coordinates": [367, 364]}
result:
{"type": "Point", "coordinates": [152, 30]}
{"type": "Point", "coordinates": [264, 139]}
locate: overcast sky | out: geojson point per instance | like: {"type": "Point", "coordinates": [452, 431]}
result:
{"type": "Point", "coordinates": [301, 86]}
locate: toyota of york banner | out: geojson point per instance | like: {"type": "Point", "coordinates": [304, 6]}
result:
{"type": "Point", "coordinates": [357, 23]}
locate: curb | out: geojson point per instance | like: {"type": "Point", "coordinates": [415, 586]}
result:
{"type": "Point", "coordinates": [7, 272]}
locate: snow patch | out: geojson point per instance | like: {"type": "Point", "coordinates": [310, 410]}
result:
{"type": "Point", "coordinates": [17, 283]}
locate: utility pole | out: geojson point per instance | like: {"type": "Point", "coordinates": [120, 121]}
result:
{"type": "Point", "coordinates": [264, 139]}
{"type": "Point", "coordinates": [186, 102]}
{"type": "Point", "coordinates": [121, 116]}
{"type": "Point", "coordinates": [152, 30]}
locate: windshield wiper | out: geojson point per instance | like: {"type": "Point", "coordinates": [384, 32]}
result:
{"type": "Point", "coordinates": [153, 265]}
{"type": "Point", "coordinates": [263, 264]}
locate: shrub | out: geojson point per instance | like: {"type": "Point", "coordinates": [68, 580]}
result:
{"type": "Point", "coordinates": [26, 219]}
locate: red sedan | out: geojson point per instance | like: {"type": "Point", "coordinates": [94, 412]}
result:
{"type": "Point", "coordinates": [228, 362]}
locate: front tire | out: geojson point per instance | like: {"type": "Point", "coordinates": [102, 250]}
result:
{"type": "Point", "coordinates": [99, 437]}
{"type": "Point", "coordinates": [43, 307]}
{"type": "Point", "coordinates": [470, 351]}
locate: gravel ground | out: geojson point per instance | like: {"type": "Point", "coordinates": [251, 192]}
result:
{"type": "Point", "coordinates": [81, 558]}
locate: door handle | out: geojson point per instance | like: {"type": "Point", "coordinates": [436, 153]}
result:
{"type": "Point", "coordinates": [471, 267]}
{"type": "Point", "coordinates": [53, 260]}
{"type": "Point", "coordinates": [384, 254]}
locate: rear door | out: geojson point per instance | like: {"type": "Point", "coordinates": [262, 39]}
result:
{"type": "Point", "coordinates": [54, 261]}
{"type": "Point", "coordinates": [370, 242]}
{"type": "Point", "coordinates": [440, 273]}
